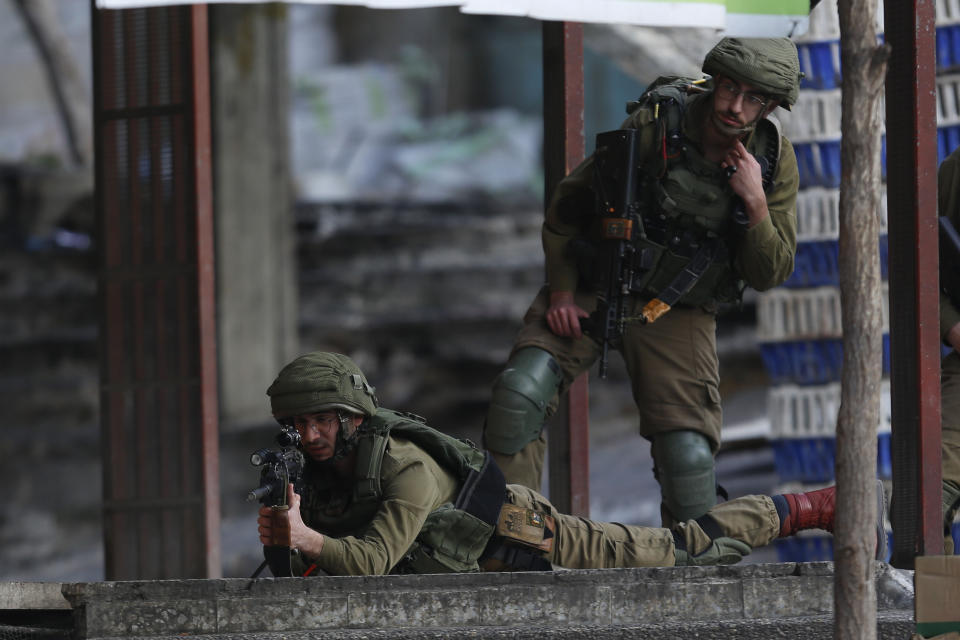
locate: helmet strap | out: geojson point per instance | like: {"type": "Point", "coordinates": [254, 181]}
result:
{"type": "Point", "coordinates": [345, 442]}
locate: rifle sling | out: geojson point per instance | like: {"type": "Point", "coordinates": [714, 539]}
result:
{"type": "Point", "coordinates": [681, 283]}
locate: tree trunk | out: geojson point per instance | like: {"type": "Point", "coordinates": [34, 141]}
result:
{"type": "Point", "coordinates": [63, 75]}
{"type": "Point", "coordinates": [863, 66]}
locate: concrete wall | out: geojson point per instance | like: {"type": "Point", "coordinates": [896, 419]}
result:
{"type": "Point", "coordinates": [256, 284]}
{"type": "Point", "coordinates": [760, 601]}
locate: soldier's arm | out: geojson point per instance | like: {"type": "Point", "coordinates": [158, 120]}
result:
{"type": "Point", "coordinates": [765, 255]}
{"type": "Point", "coordinates": [408, 497]}
{"type": "Point", "coordinates": [572, 201]}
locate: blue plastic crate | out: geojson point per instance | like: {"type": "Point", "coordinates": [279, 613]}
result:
{"type": "Point", "coordinates": [817, 263]}
{"type": "Point", "coordinates": [811, 460]}
{"type": "Point", "coordinates": [820, 60]}
{"type": "Point", "coordinates": [814, 548]}
{"type": "Point", "coordinates": [955, 532]}
{"type": "Point", "coordinates": [948, 139]}
{"type": "Point", "coordinates": [805, 548]}
{"type": "Point", "coordinates": [820, 63]}
{"type": "Point", "coordinates": [809, 361]}
{"type": "Point", "coordinates": [948, 46]}
{"type": "Point", "coordinates": [818, 163]}
{"type": "Point", "coordinates": [884, 464]}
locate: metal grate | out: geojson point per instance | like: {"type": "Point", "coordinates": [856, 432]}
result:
{"type": "Point", "coordinates": [158, 390]}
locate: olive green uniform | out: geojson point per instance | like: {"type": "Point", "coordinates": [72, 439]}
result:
{"type": "Point", "coordinates": [361, 541]}
{"type": "Point", "coordinates": [672, 363]}
{"type": "Point", "coordinates": [949, 205]}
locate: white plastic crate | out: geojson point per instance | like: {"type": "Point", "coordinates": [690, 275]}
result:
{"type": "Point", "coordinates": [948, 100]}
{"type": "Point", "coordinates": [825, 25]}
{"type": "Point", "coordinates": [811, 412]}
{"type": "Point", "coordinates": [815, 116]}
{"type": "Point", "coordinates": [818, 214]}
{"type": "Point", "coordinates": [948, 12]}
{"type": "Point", "coordinates": [804, 314]}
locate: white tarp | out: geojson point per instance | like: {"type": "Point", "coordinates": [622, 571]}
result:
{"type": "Point", "coordinates": [733, 17]}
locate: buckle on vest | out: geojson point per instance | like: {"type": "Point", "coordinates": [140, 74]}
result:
{"type": "Point", "coordinates": [616, 228]}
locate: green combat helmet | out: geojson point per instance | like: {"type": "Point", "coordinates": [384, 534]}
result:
{"type": "Point", "coordinates": [320, 381]}
{"type": "Point", "coordinates": [769, 64]}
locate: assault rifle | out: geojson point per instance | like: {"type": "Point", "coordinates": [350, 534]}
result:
{"type": "Point", "coordinates": [618, 208]}
{"type": "Point", "coordinates": [949, 260]}
{"type": "Point", "coordinates": [278, 468]}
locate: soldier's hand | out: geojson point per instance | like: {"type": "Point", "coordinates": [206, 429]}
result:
{"type": "Point", "coordinates": [953, 336]}
{"type": "Point", "coordinates": [746, 180]}
{"type": "Point", "coordinates": [271, 524]}
{"type": "Point", "coordinates": [301, 536]}
{"type": "Point", "coordinates": [720, 551]}
{"type": "Point", "coordinates": [563, 315]}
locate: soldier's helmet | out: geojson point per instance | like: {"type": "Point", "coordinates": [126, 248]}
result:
{"type": "Point", "coordinates": [320, 381]}
{"type": "Point", "coordinates": [769, 64]}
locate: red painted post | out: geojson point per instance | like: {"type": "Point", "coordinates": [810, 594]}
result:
{"type": "Point", "coordinates": [563, 150]}
{"type": "Point", "coordinates": [206, 291]}
{"type": "Point", "coordinates": [914, 286]}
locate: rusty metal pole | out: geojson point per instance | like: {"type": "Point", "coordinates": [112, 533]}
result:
{"type": "Point", "coordinates": [206, 289]}
{"type": "Point", "coordinates": [563, 148]}
{"type": "Point", "coordinates": [914, 295]}
{"type": "Point", "coordinates": [158, 376]}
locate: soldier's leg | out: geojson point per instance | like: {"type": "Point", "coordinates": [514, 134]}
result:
{"type": "Point", "coordinates": [675, 377]}
{"type": "Point", "coordinates": [758, 520]}
{"type": "Point", "coordinates": [721, 536]}
{"type": "Point", "coordinates": [540, 369]}
{"type": "Point", "coordinates": [581, 543]}
{"type": "Point", "coordinates": [950, 438]}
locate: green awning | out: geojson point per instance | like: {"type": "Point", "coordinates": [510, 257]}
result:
{"type": "Point", "coordinates": [732, 17]}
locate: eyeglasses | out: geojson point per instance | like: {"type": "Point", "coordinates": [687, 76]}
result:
{"type": "Point", "coordinates": [315, 423]}
{"type": "Point", "coordinates": [730, 91]}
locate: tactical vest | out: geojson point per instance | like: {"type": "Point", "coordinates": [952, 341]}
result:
{"type": "Point", "coordinates": [454, 535]}
{"type": "Point", "coordinates": [686, 201]}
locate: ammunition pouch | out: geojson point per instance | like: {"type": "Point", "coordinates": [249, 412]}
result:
{"type": "Point", "coordinates": [522, 538]}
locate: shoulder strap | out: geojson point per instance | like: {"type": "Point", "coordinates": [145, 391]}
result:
{"type": "Point", "coordinates": [482, 485]}
{"type": "Point", "coordinates": [771, 142]}
{"type": "Point", "coordinates": [371, 445]}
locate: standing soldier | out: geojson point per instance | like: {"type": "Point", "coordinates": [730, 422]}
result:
{"type": "Point", "coordinates": [948, 201]}
{"type": "Point", "coordinates": [716, 196]}
{"type": "Point", "coordinates": [384, 493]}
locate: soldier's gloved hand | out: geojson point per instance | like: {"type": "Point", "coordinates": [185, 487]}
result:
{"type": "Point", "coordinates": [720, 551]}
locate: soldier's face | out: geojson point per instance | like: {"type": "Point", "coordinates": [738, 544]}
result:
{"type": "Point", "coordinates": [736, 106]}
{"type": "Point", "coordinates": [318, 433]}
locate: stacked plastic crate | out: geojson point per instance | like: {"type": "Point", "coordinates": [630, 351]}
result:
{"type": "Point", "coordinates": [799, 326]}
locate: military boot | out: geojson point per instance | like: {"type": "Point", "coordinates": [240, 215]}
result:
{"type": "Point", "coordinates": [816, 510]}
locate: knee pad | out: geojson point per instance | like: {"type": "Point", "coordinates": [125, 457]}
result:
{"type": "Point", "coordinates": [685, 469]}
{"type": "Point", "coordinates": [521, 395]}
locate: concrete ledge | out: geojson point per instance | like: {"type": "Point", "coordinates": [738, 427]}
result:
{"type": "Point", "coordinates": [32, 596]}
{"type": "Point", "coordinates": [496, 602]}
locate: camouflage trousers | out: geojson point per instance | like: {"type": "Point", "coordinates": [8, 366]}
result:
{"type": "Point", "coordinates": [673, 366]}
{"type": "Point", "coordinates": [587, 544]}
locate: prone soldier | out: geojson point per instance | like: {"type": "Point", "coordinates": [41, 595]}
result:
{"type": "Point", "coordinates": [384, 493]}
